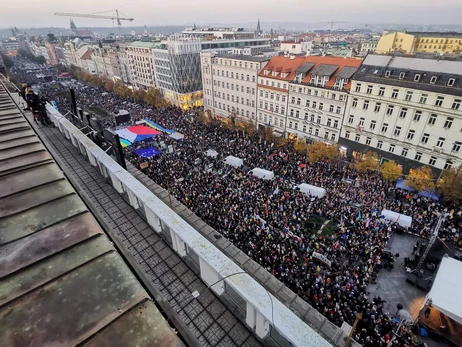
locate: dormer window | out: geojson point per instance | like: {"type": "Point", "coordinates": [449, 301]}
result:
{"type": "Point", "coordinates": [266, 72]}
{"type": "Point", "coordinates": [451, 82]}
{"type": "Point", "coordinates": [387, 73]}
{"type": "Point", "coordinates": [401, 75]}
{"type": "Point", "coordinates": [433, 79]}
{"type": "Point", "coordinates": [275, 73]}
{"type": "Point", "coordinates": [416, 77]}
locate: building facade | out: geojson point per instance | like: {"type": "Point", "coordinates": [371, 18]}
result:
{"type": "Point", "coordinates": [220, 33]}
{"type": "Point", "coordinates": [420, 42]}
{"type": "Point", "coordinates": [406, 109]}
{"type": "Point", "coordinates": [366, 47]}
{"type": "Point", "coordinates": [230, 84]}
{"type": "Point", "coordinates": [178, 71]}
{"type": "Point", "coordinates": [317, 98]}
{"type": "Point", "coordinates": [273, 92]}
{"type": "Point", "coordinates": [296, 47]}
{"type": "Point", "coordinates": [141, 63]}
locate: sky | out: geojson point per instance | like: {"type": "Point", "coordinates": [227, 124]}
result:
{"type": "Point", "coordinates": [40, 13]}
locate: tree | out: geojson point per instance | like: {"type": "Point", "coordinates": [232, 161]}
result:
{"type": "Point", "coordinates": [155, 98]}
{"type": "Point", "coordinates": [139, 95]}
{"type": "Point", "coordinates": [40, 59]}
{"type": "Point", "coordinates": [450, 184]}
{"type": "Point", "coordinates": [122, 90]}
{"type": "Point", "coordinates": [391, 171]}
{"type": "Point", "coordinates": [318, 151]}
{"type": "Point", "coordinates": [109, 85]}
{"type": "Point", "coordinates": [249, 128]}
{"type": "Point", "coordinates": [9, 63]}
{"type": "Point", "coordinates": [368, 163]}
{"type": "Point", "coordinates": [300, 146]}
{"type": "Point", "coordinates": [421, 179]}
{"type": "Point", "coordinates": [267, 133]}
{"type": "Point", "coordinates": [96, 81]}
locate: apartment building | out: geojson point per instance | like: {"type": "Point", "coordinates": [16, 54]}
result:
{"type": "Point", "coordinates": [420, 42]}
{"type": "Point", "coordinates": [141, 62]}
{"type": "Point", "coordinates": [406, 109]}
{"type": "Point", "coordinates": [220, 33]}
{"type": "Point", "coordinates": [273, 91]}
{"type": "Point", "coordinates": [318, 96]}
{"type": "Point", "coordinates": [230, 84]}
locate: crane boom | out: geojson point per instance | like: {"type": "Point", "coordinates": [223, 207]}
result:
{"type": "Point", "coordinates": [91, 16]}
{"type": "Point", "coordinates": [97, 16]}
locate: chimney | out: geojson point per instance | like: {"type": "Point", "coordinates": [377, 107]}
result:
{"type": "Point", "coordinates": [292, 57]}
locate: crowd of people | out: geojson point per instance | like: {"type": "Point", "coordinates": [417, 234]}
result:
{"type": "Point", "coordinates": [269, 220]}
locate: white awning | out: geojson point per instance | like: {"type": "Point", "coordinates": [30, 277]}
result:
{"type": "Point", "coordinates": [446, 293]}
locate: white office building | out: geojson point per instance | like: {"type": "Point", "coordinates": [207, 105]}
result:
{"type": "Point", "coordinates": [141, 62]}
{"type": "Point", "coordinates": [406, 109]}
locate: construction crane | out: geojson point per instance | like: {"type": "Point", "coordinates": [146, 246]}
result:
{"type": "Point", "coordinates": [332, 24]}
{"type": "Point", "coordinates": [98, 16]}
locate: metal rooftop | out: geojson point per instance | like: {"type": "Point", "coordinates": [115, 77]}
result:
{"type": "Point", "coordinates": [62, 283]}
{"type": "Point", "coordinates": [304, 68]}
{"type": "Point", "coordinates": [324, 70]}
{"type": "Point", "coordinates": [347, 72]}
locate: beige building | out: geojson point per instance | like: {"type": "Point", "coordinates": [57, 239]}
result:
{"type": "Point", "coordinates": [230, 84]}
{"type": "Point", "coordinates": [406, 109]}
{"type": "Point", "coordinates": [420, 42]}
{"type": "Point", "coordinates": [141, 62]}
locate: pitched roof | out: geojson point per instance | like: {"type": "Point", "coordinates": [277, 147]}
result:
{"type": "Point", "coordinates": [282, 65]}
{"type": "Point", "coordinates": [86, 55]}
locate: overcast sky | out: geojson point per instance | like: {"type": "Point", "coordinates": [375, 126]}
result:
{"type": "Point", "coordinates": [39, 13]}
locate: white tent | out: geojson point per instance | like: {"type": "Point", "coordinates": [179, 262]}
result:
{"type": "Point", "coordinates": [401, 219]}
{"type": "Point", "coordinates": [262, 173]}
{"type": "Point", "coordinates": [312, 190]}
{"type": "Point", "coordinates": [446, 294]}
{"type": "Point", "coordinates": [234, 161]}
{"type": "Point", "coordinates": [211, 153]}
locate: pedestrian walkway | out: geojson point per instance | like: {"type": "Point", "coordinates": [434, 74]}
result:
{"type": "Point", "coordinates": [206, 317]}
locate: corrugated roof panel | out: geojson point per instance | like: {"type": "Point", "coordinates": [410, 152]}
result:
{"type": "Point", "coordinates": [347, 72]}
{"type": "Point", "coordinates": [324, 70]}
{"type": "Point", "coordinates": [304, 68]}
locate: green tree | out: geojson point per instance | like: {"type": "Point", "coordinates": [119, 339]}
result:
{"type": "Point", "coordinates": [318, 151]}
{"type": "Point", "coordinates": [450, 184]}
{"type": "Point", "coordinates": [391, 171]}
{"type": "Point", "coordinates": [421, 178]}
{"type": "Point", "coordinates": [367, 163]}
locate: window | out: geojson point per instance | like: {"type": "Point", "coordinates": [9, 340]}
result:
{"type": "Point", "coordinates": [416, 77]}
{"type": "Point", "coordinates": [381, 91]}
{"type": "Point", "coordinates": [417, 116]}
{"type": "Point", "coordinates": [451, 82]}
{"type": "Point", "coordinates": [354, 103]}
{"type": "Point", "coordinates": [332, 137]}
{"type": "Point", "coordinates": [423, 98]}
{"type": "Point", "coordinates": [456, 104]}
{"type": "Point", "coordinates": [410, 134]}
{"type": "Point", "coordinates": [390, 109]}
{"type": "Point", "coordinates": [394, 93]}
{"type": "Point", "coordinates": [283, 110]}
{"type": "Point", "coordinates": [425, 138]}
{"type": "Point", "coordinates": [448, 123]}
{"type": "Point", "coordinates": [347, 134]}
{"type": "Point", "coordinates": [329, 122]}
{"type": "Point", "coordinates": [433, 79]}
{"type": "Point", "coordinates": [335, 123]}
{"type": "Point", "coordinates": [391, 149]}
{"type": "Point", "coordinates": [456, 146]}
{"type": "Point", "coordinates": [316, 132]}
{"type": "Point", "coordinates": [312, 118]}
{"type": "Point", "coordinates": [387, 73]}
{"type": "Point", "coordinates": [368, 141]}
{"type": "Point", "coordinates": [432, 119]}
{"type": "Point", "coordinates": [321, 105]}
{"type": "Point", "coordinates": [338, 110]}
{"type": "Point", "coordinates": [351, 119]}
{"type": "Point", "coordinates": [297, 114]}
{"type": "Point", "coordinates": [369, 89]}
{"type": "Point", "coordinates": [358, 87]}
{"type": "Point", "coordinates": [432, 161]}
{"type": "Point", "coordinates": [314, 104]}
{"type": "Point", "coordinates": [307, 104]}
{"type": "Point", "coordinates": [379, 144]}
{"type": "Point", "coordinates": [403, 113]}
{"type": "Point", "coordinates": [377, 107]}
{"type": "Point", "coordinates": [404, 152]}
{"type": "Point", "coordinates": [292, 100]}
{"type": "Point", "coordinates": [448, 165]}
{"type": "Point", "coordinates": [384, 127]}
{"type": "Point", "coordinates": [333, 96]}
{"type": "Point", "coordinates": [373, 123]}
{"type": "Point", "coordinates": [408, 96]}
{"type": "Point", "coordinates": [261, 93]}
{"type": "Point", "coordinates": [397, 131]}
{"type": "Point", "coordinates": [418, 156]}
{"type": "Point", "coordinates": [283, 98]}
{"type": "Point", "coordinates": [290, 124]}
{"type": "Point", "coordinates": [318, 120]}
{"type": "Point", "coordinates": [357, 137]}
{"type": "Point", "coordinates": [440, 142]}
{"type": "Point", "coordinates": [402, 75]}
{"type": "Point", "coordinates": [361, 121]}
{"type": "Point", "coordinates": [439, 101]}
{"type": "Point", "coordinates": [331, 108]}
{"type": "Point", "coordinates": [291, 112]}
{"type": "Point", "coordinates": [366, 104]}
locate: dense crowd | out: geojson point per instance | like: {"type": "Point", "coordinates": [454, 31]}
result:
{"type": "Point", "coordinates": [270, 220]}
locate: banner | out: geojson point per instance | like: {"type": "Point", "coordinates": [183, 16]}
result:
{"type": "Point", "coordinates": [322, 258]}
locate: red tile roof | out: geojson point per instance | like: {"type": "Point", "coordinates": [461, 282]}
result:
{"type": "Point", "coordinates": [86, 55]}
{"type": "Point", "coordinates": [285, 64]}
